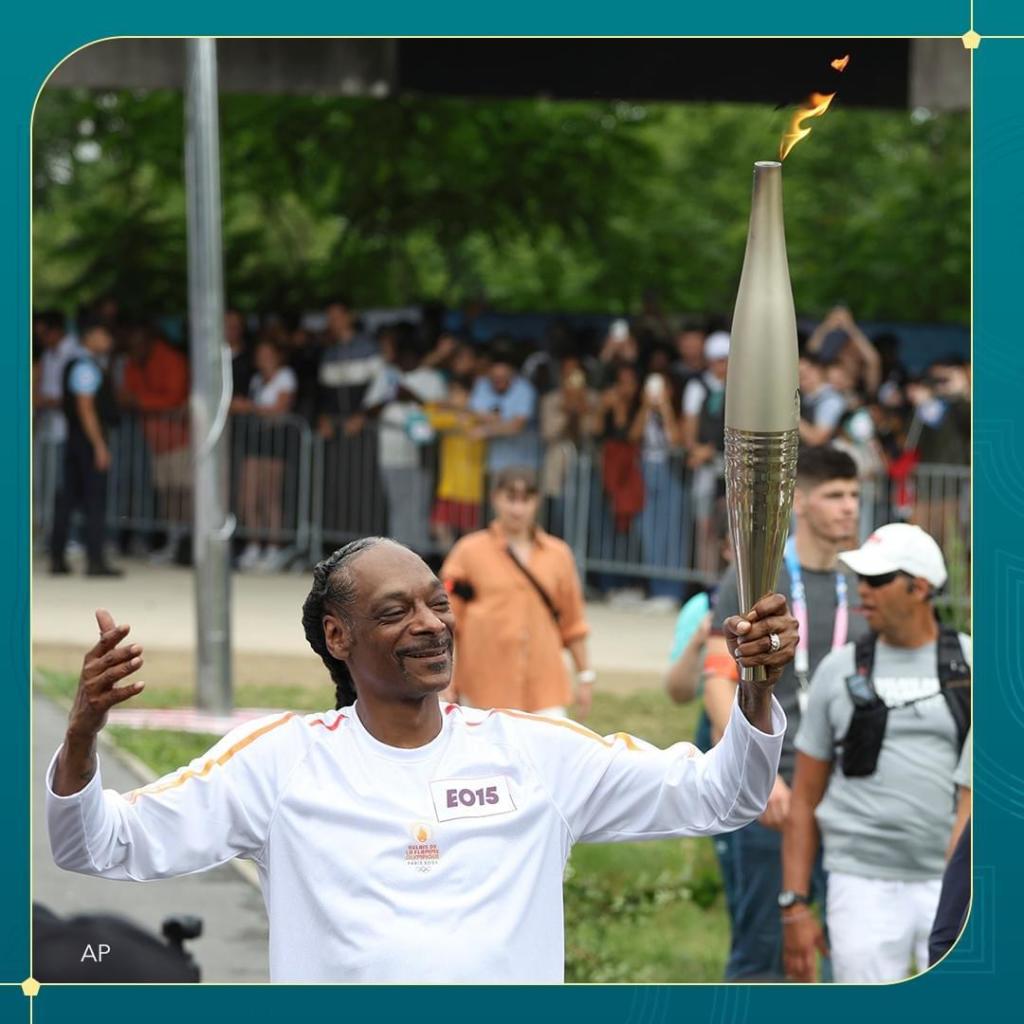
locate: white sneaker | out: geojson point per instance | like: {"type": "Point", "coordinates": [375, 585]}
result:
{"type": "Point", "coordinates": [250, 557]}
{"type": "Point", "coordinates": [274, 559]}
{"type": "Point", "coordinates": [660, 605]}
{"type": "Point", "coordinates": [163, 556]}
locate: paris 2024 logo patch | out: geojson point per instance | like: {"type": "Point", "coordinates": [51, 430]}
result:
{"type": "Point", "coordinates": [422, 853]}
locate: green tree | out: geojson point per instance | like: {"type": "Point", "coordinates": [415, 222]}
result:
{"type": "Point", "coordinates": [540, 205]}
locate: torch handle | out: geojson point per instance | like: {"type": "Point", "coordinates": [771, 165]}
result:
{"type": "Point", "coordinates": [753, 674]}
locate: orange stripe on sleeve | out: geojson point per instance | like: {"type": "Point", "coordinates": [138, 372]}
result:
{"type": "Point", "coordinates": [208, 766]}
{"type": "Point", "coordinates": [718, 664]}
{"type": "Point", "coordinates": [567, 723]}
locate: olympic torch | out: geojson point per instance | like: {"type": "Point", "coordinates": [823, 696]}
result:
{"type": "Point", "coordinates": [762, 403]}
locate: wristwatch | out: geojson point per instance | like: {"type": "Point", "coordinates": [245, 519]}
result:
{"type": "Point", "coordinates": [788, 898]}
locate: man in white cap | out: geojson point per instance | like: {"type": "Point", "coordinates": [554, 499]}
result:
{"type": "Point", "coordinates": [879, 752]}
{"type": "Point", "coordinates": [704, 441]}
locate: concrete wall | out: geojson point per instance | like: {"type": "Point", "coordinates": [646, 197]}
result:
{"type": "Point", "coordinates": [938, 76]}
{"type": "Point", "coordinates": [347, 67]}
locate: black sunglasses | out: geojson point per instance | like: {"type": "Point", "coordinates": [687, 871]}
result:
{"type": "Point", "coordinates": [881, 580]}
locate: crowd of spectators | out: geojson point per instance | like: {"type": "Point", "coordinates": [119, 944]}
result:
{"type": "Point", "coordinates": [421, 420]}
{"type": "Point", "coordinates": [417, 410]}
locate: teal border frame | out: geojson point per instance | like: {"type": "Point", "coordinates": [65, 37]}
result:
{"type": "Point", "coordinates": [982, 964]}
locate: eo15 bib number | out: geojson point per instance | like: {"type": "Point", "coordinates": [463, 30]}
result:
{"type": "Point", "coordinates": [471, 798]}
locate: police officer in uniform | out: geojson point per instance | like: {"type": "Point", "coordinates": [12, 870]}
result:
{"type": "Point", "coordinates": [90, 409]}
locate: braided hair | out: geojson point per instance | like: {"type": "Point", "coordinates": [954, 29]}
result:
{"type": "Point", "coordinates": [334, 590]}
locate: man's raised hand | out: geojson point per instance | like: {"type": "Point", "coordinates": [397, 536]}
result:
{"type": "Point", "coordinates": [104, 666]}
{"type": "Point", "coordinates": [749, 636]}
{"type": "Point", "coordinates": [749, 641]}
{"type": "Point", "coordinates": [109, 662]}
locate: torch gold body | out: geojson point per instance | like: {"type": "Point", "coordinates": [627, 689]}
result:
{"type": "Point", "coordinates": [762, 403]}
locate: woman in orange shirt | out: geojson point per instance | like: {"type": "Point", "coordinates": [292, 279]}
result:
{"type": "Point", "coordinates": [518, 604]}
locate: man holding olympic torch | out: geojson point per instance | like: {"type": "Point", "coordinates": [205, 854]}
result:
{"type": "Point", "coordinates": [399, 839]}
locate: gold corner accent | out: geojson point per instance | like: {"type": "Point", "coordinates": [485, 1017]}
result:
{"type": "Point", "coordinates": [30, 987]}
{"type": "Point", "coordinates": [971, 40]}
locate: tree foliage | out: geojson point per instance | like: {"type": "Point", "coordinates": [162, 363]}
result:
{"type": "Point", "coordinates": [540, 205]}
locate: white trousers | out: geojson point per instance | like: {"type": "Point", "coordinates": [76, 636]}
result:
{"type": "Point", "coordinates": [878, 928]}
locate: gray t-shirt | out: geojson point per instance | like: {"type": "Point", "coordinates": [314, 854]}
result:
{"type": "Point", "coordinates": [963, 776]}
{"type": "Point", "coordinates": [820, 590]}
{"type": "Point", "coordinates": [894, 824]}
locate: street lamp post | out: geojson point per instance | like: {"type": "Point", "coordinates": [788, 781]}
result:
{"type": "Point", "coordinates": [211, 380]}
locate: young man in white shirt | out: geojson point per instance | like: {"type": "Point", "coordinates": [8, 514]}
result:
{"type": "Point", "coordinates": [399, 839]}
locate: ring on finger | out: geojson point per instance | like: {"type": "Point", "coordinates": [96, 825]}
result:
{"type": "Point", "coordinates": [776, 643]}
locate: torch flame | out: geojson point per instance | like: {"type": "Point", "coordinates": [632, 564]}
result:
{"type": "Point", "coordinates": [840, 63]}
{"type": "Point", "coordinates": [815, 107]}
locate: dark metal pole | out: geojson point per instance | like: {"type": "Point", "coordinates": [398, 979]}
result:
{"type": "Point", "coordinates": [211, 380]}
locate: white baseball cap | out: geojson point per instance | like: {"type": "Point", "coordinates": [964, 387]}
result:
{"type": "Point", "coordinates": [898, 547]}
{"type": "Point", "coordinates": [716, 346]}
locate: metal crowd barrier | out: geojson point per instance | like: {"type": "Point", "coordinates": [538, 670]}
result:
{"type": "Point", "coordinates": [937, 498]}
{"type": "Point", "coordinates": [149, 486]}
{"type": "Point", "coordinates": [47, 469]}
{"type": "Point", "coordinates": [271, 466]}
{"type": "Point", "coordinates": [348, 493]}
{"type": "Point", "coordinates": [676, 536]}
{"type": "Point", "coordinates": [627, 518]}
{"type": "Point", "coordinates": [380, 480]}
{"type": "Point", "coordinates": [636, 521]}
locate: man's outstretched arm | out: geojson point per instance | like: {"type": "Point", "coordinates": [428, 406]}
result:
{"type": "Point", "coordinates": [617, 788]}
{"type": "Point", "coordinates": [217, 807]}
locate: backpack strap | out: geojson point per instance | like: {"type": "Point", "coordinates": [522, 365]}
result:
{"type": "Point", "coordinates": [864, 657]}
{"type": "Point", "coordinates": [862, 743]}
{"type": "Point", "coordinates": [955, 680]}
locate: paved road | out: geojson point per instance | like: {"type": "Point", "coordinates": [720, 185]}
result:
{"type": "Point", "coordinates": [234, 942]}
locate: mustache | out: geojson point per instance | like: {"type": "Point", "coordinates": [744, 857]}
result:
{"type": "Point", "coordinates": [444, 647]}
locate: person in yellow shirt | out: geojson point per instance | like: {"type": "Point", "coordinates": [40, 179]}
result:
{"type": "Point", "coordinates": [460, 485]}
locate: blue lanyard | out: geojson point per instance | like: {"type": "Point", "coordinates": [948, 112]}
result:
{"type": "Point", "coordinates": [798, 596]}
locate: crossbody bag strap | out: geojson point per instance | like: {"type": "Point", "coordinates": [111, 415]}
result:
{"type": "Point", "coordinates": [535, 583]}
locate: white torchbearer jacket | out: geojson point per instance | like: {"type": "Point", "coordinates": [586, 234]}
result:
{"type": "Point", "coordinates": [442, 863]}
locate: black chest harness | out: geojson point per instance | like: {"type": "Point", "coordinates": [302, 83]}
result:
{"type": "Point", "coordinates": [859, 748]}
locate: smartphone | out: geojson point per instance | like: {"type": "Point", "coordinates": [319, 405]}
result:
{"type": "Point", "coordinates": [619, 331]}
{"type": "Point", "coordinates": [654, 386]}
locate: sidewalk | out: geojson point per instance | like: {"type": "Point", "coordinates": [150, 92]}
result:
{"type": "Point", "coordinates": [233, 946]}
{"type": "Point", "coordinates": [267, 639]}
